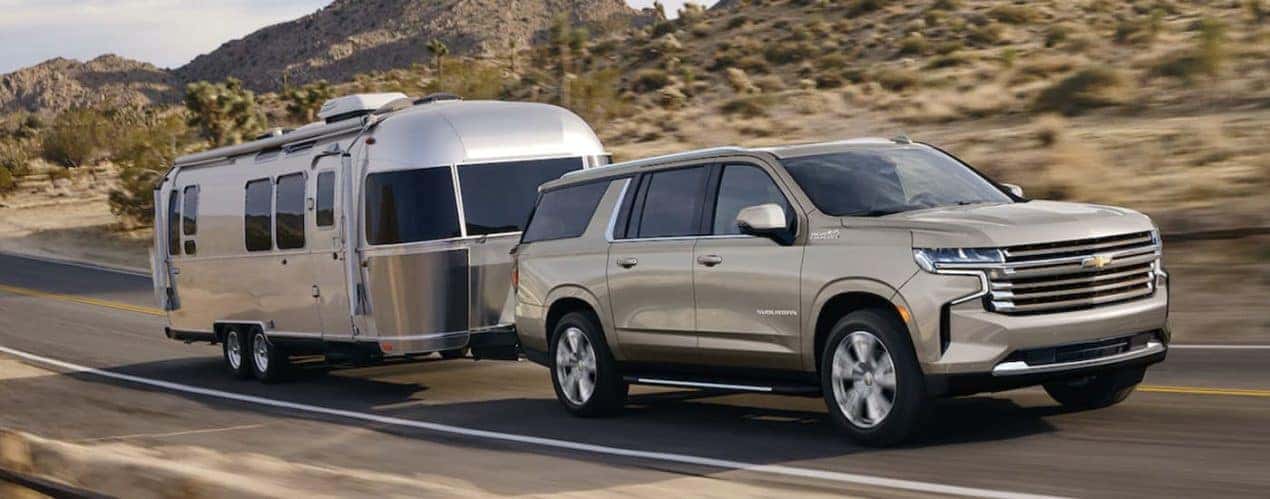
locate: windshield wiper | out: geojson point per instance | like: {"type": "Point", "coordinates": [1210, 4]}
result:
{"type": "Point", "coordinates": [874, 213]}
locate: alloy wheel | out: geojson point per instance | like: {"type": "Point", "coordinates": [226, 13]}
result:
{"type": "Point", "coordinates": [863, 379]}
{"type": "Point", "coordinates": [575, 366]}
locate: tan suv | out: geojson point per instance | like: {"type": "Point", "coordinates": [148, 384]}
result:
{"type": "Point", "coordinates": [877, 273]}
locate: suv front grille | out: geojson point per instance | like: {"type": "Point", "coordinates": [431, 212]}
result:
{"type": "Point", "coordinates": [1075, 275]}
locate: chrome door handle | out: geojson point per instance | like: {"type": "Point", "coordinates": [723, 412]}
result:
{"type": "Point", "coordinates": [709, 260]}
{"type": "Point", "coordinates": [627, 262]}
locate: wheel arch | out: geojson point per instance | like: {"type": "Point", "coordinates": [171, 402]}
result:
{"type": "Point", "coordinates": [843, 297]}
{"type": "Point", "coordinates": [571, 298]}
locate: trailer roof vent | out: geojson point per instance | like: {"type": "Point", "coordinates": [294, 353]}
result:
{"type": "Point", "coordinates": [353, 106]}
{"type": "Point", "coordinates": [437, 97]}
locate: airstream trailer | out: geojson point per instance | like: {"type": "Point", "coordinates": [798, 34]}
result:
{"type": "Point", "coordinates": [383, 230]}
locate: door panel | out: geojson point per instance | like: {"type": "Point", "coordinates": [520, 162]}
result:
{"type": "Point", "coordinates": [326, 252]}
{"type": "Point", "coordinates": [292, 307]}
{"type": "Point", "coordinates": [650, 288]}
{"type": "Point", "coordinates": [747, 288]}
{"type": "Point", "coordinates": [748, 303]}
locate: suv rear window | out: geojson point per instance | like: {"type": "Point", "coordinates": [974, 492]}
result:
{"type": "Point", "coordinates": [565, 212]}
{"type": "Point", "coordinates": [497, 197]}
{"type": "Point", "coordinates": [409, 206]}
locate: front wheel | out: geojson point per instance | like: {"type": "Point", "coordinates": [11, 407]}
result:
{"type": "Point", "coordinates": [584, 373]}
{"type": "Point", "coordinates": [872, 383]}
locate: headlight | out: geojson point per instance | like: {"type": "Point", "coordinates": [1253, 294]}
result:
{"type": "Point", "coordinates": [930, 259]}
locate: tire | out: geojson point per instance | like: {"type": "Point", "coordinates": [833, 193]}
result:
{"type": "Point", "coordinates": [235, 348]}
{"type": "Point", "coordinates": [269, 362]}
{"type": "Point", "coordinates": [873, 386]}
{"type": "Point", "coordinates": [456, 353]}
{"type": "Point", "coordinates": [1095, 392]}
{"type": "Point", "coordinates": [581, 358]}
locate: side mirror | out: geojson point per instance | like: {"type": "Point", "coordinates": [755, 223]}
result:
{"type": "Point", "coordinates": [1014, 189]}
{"type": "Point", "coordinates": [764, 220]}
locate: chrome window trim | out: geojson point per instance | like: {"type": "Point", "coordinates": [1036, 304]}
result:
{"type": "Point", "coordinates": [617, 209]}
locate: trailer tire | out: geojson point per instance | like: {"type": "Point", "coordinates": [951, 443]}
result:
{"type": "Point", "coordinates": [235, 347]}
{"type": "Point", "coordinates": [269, 362]}
{"type": "Point", "coordinates": [580, 357]}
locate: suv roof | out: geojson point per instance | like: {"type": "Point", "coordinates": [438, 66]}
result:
{"type": "Point", "coordinates": [779, 152]}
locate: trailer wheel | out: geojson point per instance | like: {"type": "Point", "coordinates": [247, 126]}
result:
{"type": "Point", "coordinates": [234, 347]}
{"type": "Point", "coordinates": [269, 362]}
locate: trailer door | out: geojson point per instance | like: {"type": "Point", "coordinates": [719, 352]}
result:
{"type": "Point", "coordinates": [327, 251]}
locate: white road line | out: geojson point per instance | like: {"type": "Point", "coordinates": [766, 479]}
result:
{"type": "Point", "coordinates": [789, 471]}
{"type": "Point", "coordinates": [82, 265]}
{"type": "Point", "coordinates": [1218, 347]}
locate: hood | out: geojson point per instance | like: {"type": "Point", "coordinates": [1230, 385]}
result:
{"type": "Point", "coordinates": [1000, 225]}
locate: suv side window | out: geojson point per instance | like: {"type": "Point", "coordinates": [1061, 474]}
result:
{"type": "Point", "coordinates": [672, 203]}
{"type": "Point", "coordinates": [564, 213]}
{"type": "Point", "coordinates": [743, 186]}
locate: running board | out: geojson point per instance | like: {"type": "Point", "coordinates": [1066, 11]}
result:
{"type": "Point", "coordinates": [725, 385]}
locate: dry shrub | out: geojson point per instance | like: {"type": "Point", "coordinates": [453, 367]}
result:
{"type": "Point", "coordinates": [1077, 170]}
{"type": "Point", "coordinates": [1013, 14]}
{"type": "Point", "coordinates": [740, 81]}
{"type": "Point", "coordinates": [1050, 129]}
{"type": "Point", "coordinates": [897, 79]}
{"type": "Point", "coordinates": [649, 80]}
{"type": "Point", "coordinates": [749, 106]}
{"type": "Point", "coordinates": [1087, 89]}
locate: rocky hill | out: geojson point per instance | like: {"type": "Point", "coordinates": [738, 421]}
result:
{"type": "Point", "coordinates": [350, 37]}
{"type": "Point", "coordinates": [59, 84]}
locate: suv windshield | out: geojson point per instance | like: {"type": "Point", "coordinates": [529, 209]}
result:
{"type": "Point", "coordinates": [876, 181]}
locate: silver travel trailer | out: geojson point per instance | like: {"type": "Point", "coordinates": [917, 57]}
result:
{"type": "Point", "coordinates": [384, 230]}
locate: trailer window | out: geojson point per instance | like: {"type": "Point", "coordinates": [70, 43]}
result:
{"type": "Point", "coordinates": [564, 213]}
{"type": "Point", "coordinates": [497, 197]}
{"type": "Point", "coordinates": [325, 199]}
{"type": "Point", "coordinates": [174, 216]}
{"type": "Point", "coordinates": [258, 215]}
{"type": "Point", "coordinates": [409, 206]}
{"type": "Point", "coordinates": [189, 211]}
{"type": "Point", "coordinates": [289, 224]}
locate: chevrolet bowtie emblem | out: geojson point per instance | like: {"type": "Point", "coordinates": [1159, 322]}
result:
{"type": "Point", "coordinates": [1096, 261]}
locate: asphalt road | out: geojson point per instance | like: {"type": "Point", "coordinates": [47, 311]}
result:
{"type": "Point", "coordinates": [1198, 426]}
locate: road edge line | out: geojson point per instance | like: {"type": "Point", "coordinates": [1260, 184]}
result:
{"type": "Point", "coordinates": [789, 471]}
{"type": "Point", "coordinates": [118, 269]}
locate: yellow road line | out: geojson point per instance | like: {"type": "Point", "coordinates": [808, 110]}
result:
{"type": "Point", "coordinates": [1232, 392]}
{"type": "Point", "coordinates": [81, 299]}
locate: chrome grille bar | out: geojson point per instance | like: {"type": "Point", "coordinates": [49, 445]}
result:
{"type": "Point", "coordinates": [1073, 275]}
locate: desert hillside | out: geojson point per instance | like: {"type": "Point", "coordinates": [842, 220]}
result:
{"type": "Point", "coordinates": [59, 84]}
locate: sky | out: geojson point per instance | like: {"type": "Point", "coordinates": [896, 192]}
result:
{"type": "Point", "coordinates": [166, 33]}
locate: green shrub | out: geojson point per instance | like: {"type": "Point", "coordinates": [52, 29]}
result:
{"type": "Point", "coordinates": [913, 45]}
{"type": "Point", "coordinates": [1082, 91]}
{"type": "Point", "coordinates": [304, 102]}
{"type": "Point", "coordinates": [6, 180]}
{"type": "Point", "coordinates": [15, 158]}
{"type": "Point", "coordinates": [1013, 14]}
{"type": "Point", "coordinates": [143, 154]}
{"type": "Point", "coordinates": [788, 52]}
{"type": "Point", "coordinates": [896, 79]}
{"type": "Point", "coordinates": [75, 138]}
{"type": "Point", "coordinates": [226, 112]}
{"type": "Point", "coordinates": [649, 80]}
{"type": "Point", "coordinates": [749, 106]}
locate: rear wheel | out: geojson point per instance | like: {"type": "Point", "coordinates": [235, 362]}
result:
{"type": "Point", "coordinates": [584, 373]}
{"type": "Point", "coordinates": [871, 380]}
{"type": "Point", "coordinates": [269, 362]}
{"type": "Point", "coordinates": [1098, 391]}
{"type": "Point", "coordinates": [234, 346]}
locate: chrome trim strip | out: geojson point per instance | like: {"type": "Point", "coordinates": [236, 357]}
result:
{"type": "Point", "coordinates": [1080, 302]}
{"type": "Point", "coordinates": [693, 384]}
{"type": "Point", "coordinates": [1016, 368]}
{"type": "Point", "coordinates": [1132, 252]}
{"type": "Point", "coordinates": [1088, 279]}
{"type": "Point", "coordinates": [1142, 240]}
{"type": "Point", "coordinates": [417, 337]}
{"type": "Point", "coordinates": [1027, 295]}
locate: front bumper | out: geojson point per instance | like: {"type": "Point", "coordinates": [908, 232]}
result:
{"type": "Point", "coordinates": [1129, 366]}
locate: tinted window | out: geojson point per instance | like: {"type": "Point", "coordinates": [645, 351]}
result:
{"type": "Point", "coordinates": [289, 226]}
{"type": "Point", "coordinates": [672, 206]}
{"type": "Point", "coordinates": [189, 211]}
{"type": "Point", "coordinates": [741, 187]}
{"type": "Point", "coordinates": [174, 217]}
{"type": "Point", "coordinates": [497, 197]}
{"type": "Point", "coordinates": [258, 215]}
{"type": "Point", "coordinates": [412, 205]}
{"type": "Point", "coordinates": [565, 212]}
{"type": "Point", "coordinates": [325, 199]}
{"type": "Point", "coordinates": [874, 181]}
